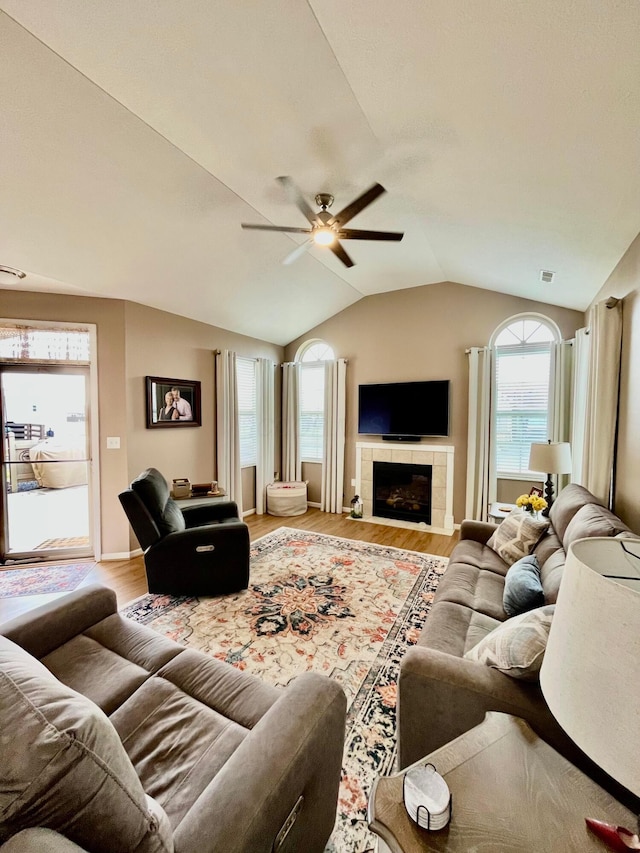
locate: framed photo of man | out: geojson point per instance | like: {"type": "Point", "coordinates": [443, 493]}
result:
{"type": "Point", "coordinates": [172, 403]}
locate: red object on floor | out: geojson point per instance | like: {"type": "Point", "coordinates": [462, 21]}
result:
{"type": "Point", "coordinates": [615, 837]}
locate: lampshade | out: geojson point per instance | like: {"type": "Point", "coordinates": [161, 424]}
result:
{"type": "Point", "coordinates": [551, 457]}
{"type": "Point", "coordinates": [591, 668]}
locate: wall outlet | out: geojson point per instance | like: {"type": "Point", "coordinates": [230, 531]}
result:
{"type": "Point", "coordinates": [276, 476]}
{"type": "Point", "coordinates": [353, 482]}
{"type": "Point", "coordinates": [113, 442]}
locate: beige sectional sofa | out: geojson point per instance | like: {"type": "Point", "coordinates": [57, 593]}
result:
{"type": "Point", "coordinates": [441, 694]}
{"type": "Point", "coordinates": [115, 738]}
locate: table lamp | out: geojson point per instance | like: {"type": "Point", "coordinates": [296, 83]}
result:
{"type": "Point", "coordinates": [551, 457]}
{"type": "Point", "coordinates": [591, 669]}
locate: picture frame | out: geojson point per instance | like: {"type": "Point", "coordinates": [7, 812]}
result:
{"type": "Point", "coordinates": [536, 491]}
{"type": "Point", "coordinates": [172, 403]}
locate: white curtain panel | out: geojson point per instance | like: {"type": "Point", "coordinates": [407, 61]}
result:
{"type": "Point", "coordinates": [335, 385]}
{"type": "Point", "coordinates": [581, 357]}
{"type": "Point", "coordinates": [227, 430]}
{"type": "Point", "coordinates": [291, 463]}
{"type": "Point", "coordinates": [266, 431]}
{"type": "Point", "coordinates": [561, 399]}
{"type": "Point", "coordinates": [481, 486]}
{"type": "Point", "coordinates": [605, 331]}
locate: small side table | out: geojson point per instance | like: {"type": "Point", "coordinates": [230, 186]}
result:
{"type": "Point", "coordinates": [511, 792]}
{"type": "Point", "coordinates": [498, 511]}
{"type": "Point", "coordinates": [202, 500]}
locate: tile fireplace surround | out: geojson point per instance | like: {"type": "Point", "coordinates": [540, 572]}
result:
{"type": "Point", "coordinates": [439, 456]}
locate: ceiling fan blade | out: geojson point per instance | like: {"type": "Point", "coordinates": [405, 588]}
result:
{"type": "Point", "coordinates": [276, 228]}
{"type": "Point", "coordinates": [295, 197]}
{"type": "Point", "coordinates": [359, 234]}
{"type": "Point", "coordinates": [298, 252]}
{"type": "Point", "coordinates": [357, 205]}
{"type": "Point", "coordinates": [338, 250]}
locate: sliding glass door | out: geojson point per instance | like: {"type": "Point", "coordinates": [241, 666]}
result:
{"type": "Point", "coordinates": [46, 462]}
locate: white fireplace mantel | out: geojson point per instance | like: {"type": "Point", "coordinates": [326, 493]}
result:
{"type": "Point", "coordinates": [439, 456]}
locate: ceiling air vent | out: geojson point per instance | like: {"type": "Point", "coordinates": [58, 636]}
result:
{"type": "Point", "coordinates": [546, 276]}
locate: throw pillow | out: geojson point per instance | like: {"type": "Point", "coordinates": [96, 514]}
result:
{"type": "Point", "coordinates": [517, 646]}
{"type": "Point", "coordinates": [523, 587]}
{"type": "Point", "coordinates": [517, 536]}
{"type": "Point", "coordinates": [64, 767]}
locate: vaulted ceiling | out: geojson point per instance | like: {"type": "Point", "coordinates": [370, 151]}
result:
{"type": "Point", "coordinates": [135, 137]}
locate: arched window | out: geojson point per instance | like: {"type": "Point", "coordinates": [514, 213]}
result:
{"type": "Point", "coordinates": [312, 356]}
{"type": "Point", "coordinates": [521, 390]}
{"type": "Point", "coordinates": [314, 351]}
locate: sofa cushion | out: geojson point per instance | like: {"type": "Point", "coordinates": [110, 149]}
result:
{"type": "Point", "coordinates": [551, 575]}
{"type": "Point", "coordinates": [473, 553]}
{"type": "Point", "coordinates": [454, 629]}
{"type": "Point", "coordinates": [572, 498]}
{"type": "Point", "coordinates": [523, 587]}
{"type": "Point", "coordinates": [110, 660]}
{"type": "Point", "coordinates": [475, 588]}
{"type": "Point", "coordinates": [517, 536]}
{"type": "Point", "coordinates": [153, 490]}
{"type": "Point", "coordinates": [182, 726]}
{"type": "Point", "coordinates": [592, 520]}
{"type": "Point", "coordinates": [64, 767]}
{"type": "Point", "coordinates": [548, 545]}
{"type": "Point", "coordinates": [517, 646]}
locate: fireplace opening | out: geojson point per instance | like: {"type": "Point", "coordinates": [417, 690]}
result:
{"type": "Point", "coordinates": [402, 491]}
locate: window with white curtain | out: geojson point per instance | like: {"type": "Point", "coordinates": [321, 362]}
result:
{"type": "Point", "coordinates": [521, 393]}
{"type": "Point", "coordinates": [247, 414]}
{"type": "Point", "coordinates": [312, 356]}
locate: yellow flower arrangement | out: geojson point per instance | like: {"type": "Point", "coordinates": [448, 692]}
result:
{"type": "Point", "coordinates": [532, 503]}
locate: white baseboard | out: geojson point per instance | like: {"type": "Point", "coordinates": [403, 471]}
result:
{"type": "Point", "coordinates": [314, 504]}
{"type": "Point", "coordinates": [121, 555]}
{"type": "Point", "coordinates": [249, 512]}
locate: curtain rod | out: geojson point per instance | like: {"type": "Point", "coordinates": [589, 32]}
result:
{"type": "Point", "coordinates": [570, 342]}
{"type": "Point", "coordinates": [253, 358]}
{"type": "Point", "coordinates": [285, 363]}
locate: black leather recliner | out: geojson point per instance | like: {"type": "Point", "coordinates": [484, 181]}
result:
{"type": "Point", "coordinates": [198, 550]}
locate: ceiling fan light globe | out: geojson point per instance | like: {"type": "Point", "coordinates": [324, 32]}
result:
{"type": "Point", "coordinates": [324, 236]}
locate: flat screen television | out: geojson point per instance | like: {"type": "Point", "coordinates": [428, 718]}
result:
{"type": "Point", "coordinates": [409, 410]}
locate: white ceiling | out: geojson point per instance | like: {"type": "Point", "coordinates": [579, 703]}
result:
{"type": "Point", "coordinates": [137, 136]}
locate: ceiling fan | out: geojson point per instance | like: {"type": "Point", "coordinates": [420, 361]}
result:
{"type": "Point", "coordinates": [328, 229]}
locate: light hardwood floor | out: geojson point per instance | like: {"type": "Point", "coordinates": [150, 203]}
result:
{"type": "Point", "coordinates": [128, 579]}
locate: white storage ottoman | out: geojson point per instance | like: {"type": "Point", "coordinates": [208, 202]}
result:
{"type": "Point", "coordinates": [286, 498]}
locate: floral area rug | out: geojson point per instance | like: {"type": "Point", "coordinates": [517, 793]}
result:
{"type": "Point", "coordinates": [343, 608]}
{"type": "Point", "coordinates": [42, 580]}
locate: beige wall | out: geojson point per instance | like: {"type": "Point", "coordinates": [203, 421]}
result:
{"type": "Point", "coordinates": [312, 473]}
{"type": "Point", "coordinates": [509, 491]}
{"type": "Point", "coordinates": [422, 333]}
{"type": "Point", "coordinates": [624, 282]}
{"type": "Point", "coordinates": [133, 342]}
